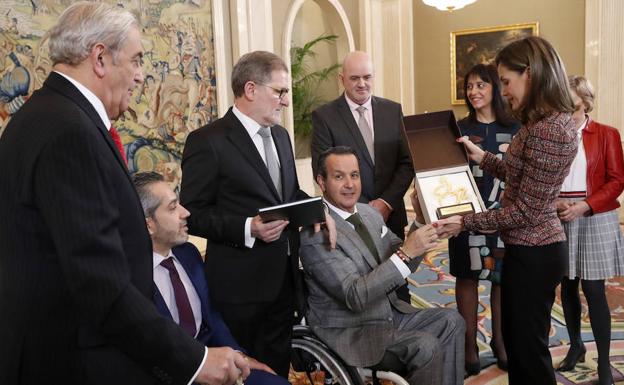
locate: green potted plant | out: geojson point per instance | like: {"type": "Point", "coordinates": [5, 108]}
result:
{"type": "Point", "coordinates": [305, 95]}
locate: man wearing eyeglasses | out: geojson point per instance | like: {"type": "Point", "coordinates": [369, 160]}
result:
{"type": "Point", "coordinates": [231, 168]}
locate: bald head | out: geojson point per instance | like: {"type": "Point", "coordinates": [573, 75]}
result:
{"type": "Point", "coordinates": [357, 76]}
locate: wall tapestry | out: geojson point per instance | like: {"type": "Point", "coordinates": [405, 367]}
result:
{"type": "Point", "coordinates": [179, 92]}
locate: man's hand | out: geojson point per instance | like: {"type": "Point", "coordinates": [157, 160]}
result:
{"type": "Point", "coordinates": [450, 226]}
{"type": "Point", "coordinates": [257, 365]}
{"type": "Point", "coordinates": [420, 217]}
{"type": "Point", "coordinates": [382, 207]}
{"type": "Point", "coordinates": [267, 231]}
{"type": "Point", "coordinates": [474, 152]}
{"type": "Point", "coordinates": [575, 210]}
{"type": "Point", "coordinates": [330, 229]}
{"type": "Point", "coordinates": [420, 241]}
{"type": "Point", "coordinates": [223, 366]}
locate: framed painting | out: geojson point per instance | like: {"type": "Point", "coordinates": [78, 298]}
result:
{"type": "Point", "coordinates": [473, 46]}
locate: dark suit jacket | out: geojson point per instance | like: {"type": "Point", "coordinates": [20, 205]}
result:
{"type": "Point", "coordinates": [390, 176]}
{"type": "Point", "coordinates": [351, 296]}
{"type": "Point", "coordinates": [75, 256]}
{"type": "Point", "coordinates": [224, 181]}
{"type": "Point", "coordinates": [213, 331]}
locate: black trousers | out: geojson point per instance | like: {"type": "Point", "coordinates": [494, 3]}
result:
{"type": "Point", "coordinates": [530, 276]}
{"type": "Point", "coordinates": [264, 329]}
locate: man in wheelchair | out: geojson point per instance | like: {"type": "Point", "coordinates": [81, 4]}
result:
{"type": "Point", "coordinates": [352, 302]}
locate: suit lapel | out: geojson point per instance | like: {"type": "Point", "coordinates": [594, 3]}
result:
{"type": "Point", "coordinates": [65, 87]}
{"type": "Point", "coordinates": [378, 123]}
{"type": "Point", "coordinates": [160, 303]}
{"type": "Point", "coordinates": [346, 234]}
{"type": "Point", "coordinates": [242, 141]}
{"type": "Point", "coordinates": [347, 116]}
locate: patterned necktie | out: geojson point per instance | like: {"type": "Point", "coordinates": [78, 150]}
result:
{"type": "Point", "coordinates": [117, 139]}
{"type": "Point", "coordinates": [362, 231]}
{"type": "Point", "coordinates": [271, 159]}
{"type": "Point", "coordinates": [367, 133]}
{"type": "Point", "coordinates": [185, 312]}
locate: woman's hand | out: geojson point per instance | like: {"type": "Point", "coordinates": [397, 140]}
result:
{"type": "Point", "coordinates": [449, 227]}
{"type": "Point", "coordinates": [575, 210]}
{"type": "Point", "coordinates": [474, 152]}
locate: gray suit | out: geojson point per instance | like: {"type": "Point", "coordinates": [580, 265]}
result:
{"type": "Point", "coordinates": [354, 309]}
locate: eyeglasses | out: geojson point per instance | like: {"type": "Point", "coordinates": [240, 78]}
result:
{"type": "Point", "coordinates": [281, 92]}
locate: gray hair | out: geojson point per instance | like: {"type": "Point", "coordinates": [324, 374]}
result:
{"type": "Point", "coordinates": [255, 66]}
{"type": "Point", "coordinates": [83, 25]}
{"type": "Point", "coordinates": [142, 182]}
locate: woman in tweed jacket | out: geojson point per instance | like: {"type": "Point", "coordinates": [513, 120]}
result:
{"type": "Point", "coordinates": [534, 82]}
{"type": "Point", "coordinates": [588, 209]}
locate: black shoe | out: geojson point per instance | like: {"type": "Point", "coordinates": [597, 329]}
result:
{"type": "Point", "coordinates": [574, 355]}
{"type": "Point", "coordinates": [473, 368]}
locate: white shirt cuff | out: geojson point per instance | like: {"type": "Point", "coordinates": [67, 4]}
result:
{"type": "Point", "coordinates": [200, 367]}
{"type": "Point", "coordinates": [403, 269]}
{"type": "Point", "coordinates": [249, 240]}
{"type": "Point", "coordinates": [418, 224]}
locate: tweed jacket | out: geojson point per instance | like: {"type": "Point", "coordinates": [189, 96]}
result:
{"type": "Point", "coordinates": [351, 296]}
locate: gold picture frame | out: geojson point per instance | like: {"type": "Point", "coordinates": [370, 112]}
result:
{"type": "Point", "coordinates": [480, 45]}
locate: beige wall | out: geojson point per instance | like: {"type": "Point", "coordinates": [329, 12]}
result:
{"type": "Point", "coordinates": [562, 22]}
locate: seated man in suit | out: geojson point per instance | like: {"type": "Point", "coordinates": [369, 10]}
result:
{"type": "Point", "coordinates": [181, 291]}
{"type": "Point", "coordinates": [352, 302]}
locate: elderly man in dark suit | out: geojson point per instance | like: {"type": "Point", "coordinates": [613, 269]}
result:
{"type": "Point", "coordinates": [75, 256]}
{"type": "Point", "coordinates": [230, 169]}
{"type": "Point", "coordinates": [352, 302]}
{"type": "Point", "coordinates": [181, 288]}
{"type": "Point", "coordinates": [373, 127]}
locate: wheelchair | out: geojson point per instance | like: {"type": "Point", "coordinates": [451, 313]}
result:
{"type": "Point", "coordinates": [313, 357]}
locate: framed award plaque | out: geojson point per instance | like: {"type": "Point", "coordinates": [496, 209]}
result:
{"type": "Point", "coordinates": [443, 179]}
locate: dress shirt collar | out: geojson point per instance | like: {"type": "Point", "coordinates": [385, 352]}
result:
{"type": "Point", "coordinates": [94, 100]}
{"type": "Point", "coordinates": [250, 125]}
{"type": "Point", "coordinates": [353, 105]}
{"type": "Point", "coordinates": [157, 258]}
{"type": "Point", "coordinates": [343, 214]}
{"type": "Point", "coordinates": [583, 125]}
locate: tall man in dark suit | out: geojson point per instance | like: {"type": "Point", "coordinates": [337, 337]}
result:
{"type": "Point", "coordinates": [352, 299]}
{"type": "Point", "coordinates": [373, 127]}
{"type": "Point", "coordinates": [181, 288]}
{"type": "Point", "coordinates": [75, 256]}
{"type": "Point", "coordinates": [230, 169]}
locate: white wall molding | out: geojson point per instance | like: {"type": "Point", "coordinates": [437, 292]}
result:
{"type": "Point", "coordinates": [604, 59]}
{"type": "Point", "coordinates": [386, 33]}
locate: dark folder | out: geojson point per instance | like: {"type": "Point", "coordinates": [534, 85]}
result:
{"type": "Point", "coordinates": [300, 213]}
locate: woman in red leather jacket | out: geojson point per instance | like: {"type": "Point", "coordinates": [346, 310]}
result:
{"type": "Point", "coordinates": [587, 208]}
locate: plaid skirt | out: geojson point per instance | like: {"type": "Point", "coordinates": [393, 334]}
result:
{"type": "Point", "coordinates": [595, 246]}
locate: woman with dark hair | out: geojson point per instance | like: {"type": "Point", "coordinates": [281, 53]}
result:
{"type": "Point", "coordinates": [474, 255]}
{"type": "Point", "coordinates": [535, 83]}
{"type": "Point", "coordinates": [588, 209]}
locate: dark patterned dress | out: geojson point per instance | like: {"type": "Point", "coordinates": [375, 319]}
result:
{"type": "Point", "coordinates": [472, 254]}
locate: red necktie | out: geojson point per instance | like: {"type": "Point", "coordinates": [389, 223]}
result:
{"type": "Point", "coordinates": [117, 139]}
{"type": "Point", "coordinates": [185, 312]}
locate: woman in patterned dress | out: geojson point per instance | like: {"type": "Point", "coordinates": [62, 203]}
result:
{"type": "Point", "coordinates": [535, 83]}
{"type": "Point", "coordinates": [588, 209]}
{"type": "Point", "coordinates": [475, 255]}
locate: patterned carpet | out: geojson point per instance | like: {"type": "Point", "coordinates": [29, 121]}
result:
{"type": "Point", "coordinates": [432, 286]}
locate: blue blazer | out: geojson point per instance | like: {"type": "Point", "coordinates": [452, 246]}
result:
{"type": "Point", "coordinates": [213, 331]}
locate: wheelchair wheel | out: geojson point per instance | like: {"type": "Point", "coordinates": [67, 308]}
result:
{"type": "Point", "coordinates": [318, 363]}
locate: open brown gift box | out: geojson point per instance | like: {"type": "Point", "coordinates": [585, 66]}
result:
{"type": "Point", "coordinates": [443, 180]}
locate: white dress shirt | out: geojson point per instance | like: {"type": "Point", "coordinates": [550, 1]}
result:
{"type": "Point", "coordinates": [163, 283]}
{"type": "Point", "coordinates": [400, 265]}
{"type": "Point", "coordinates": [576, 180]}
{"type": "Point", "coordinates": [368, 114]}
{"type": "Point", "coordinates": [94, 100]}
{"type": "Point", "coordinates": [252, 127]}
